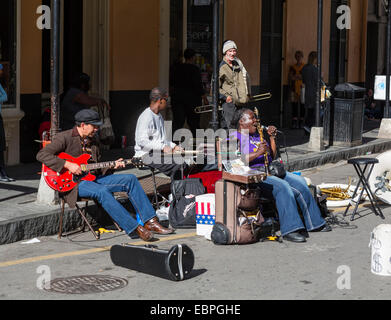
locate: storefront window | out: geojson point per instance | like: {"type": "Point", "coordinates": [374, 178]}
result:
{"type": "Point", "coordinates": [8, 49]}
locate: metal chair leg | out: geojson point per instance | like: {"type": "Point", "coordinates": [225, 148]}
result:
{"type": "Point", "coordinates": [370, 195]}
{"type": "Point", "coordinates": [81, 212]}
{"type": "Point", "coordinates": [155, 189]}
{"type": "Point", "coordinates": [363, 180]}
{"type": "Point", "coordinates": [61, 218]}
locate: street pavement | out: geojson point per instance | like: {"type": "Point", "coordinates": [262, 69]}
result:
{"type": "Point", "coordinates": [329, 266]}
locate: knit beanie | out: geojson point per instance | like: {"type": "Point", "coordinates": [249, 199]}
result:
{"type": "Point", "coordinates": [228, 46]}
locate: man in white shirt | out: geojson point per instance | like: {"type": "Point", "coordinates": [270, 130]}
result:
{"type": "Point", "coordinates": [151, 135]}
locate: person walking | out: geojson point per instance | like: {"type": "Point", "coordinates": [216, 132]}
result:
{"type": "Point", "coordinates": [310, 81]}
{"type": "Point", "coordinates": [3, 98]}
{"type": "Point", "coordinates": [295, 83]}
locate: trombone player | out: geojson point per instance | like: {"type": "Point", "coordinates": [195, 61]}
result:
{"type": "Point", "coordinates": [234, 87]}
{"type": "Point", "coordinates": [234, 83]}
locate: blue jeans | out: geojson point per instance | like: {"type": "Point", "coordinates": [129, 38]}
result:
{"type": "Point", "coordinates": [288, 193]}
{"type": "Point", "coordinates": [102, 190]}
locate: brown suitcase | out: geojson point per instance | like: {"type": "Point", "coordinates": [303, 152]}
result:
{"type": "Point", "coordinates": [229, 207]}
{"type": "Point", "coordinates": [244, 178]}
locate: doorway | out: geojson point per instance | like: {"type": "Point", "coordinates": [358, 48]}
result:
{"type": "Point", "coordinates": [271, 58]}
{"type": "Point", "coordinates": [372, 54]}
{"type": "Point", "coordinates": [72, 41]}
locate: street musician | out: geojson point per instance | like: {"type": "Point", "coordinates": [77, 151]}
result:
{"type": "Point", "coordinates": [153, 146]}
{"type": "Point", "coordinates": [287, 191]}
{"type": "Point", "coordinates": [79, 141]}
{"type": "Point", "coordinates": [234, 83]}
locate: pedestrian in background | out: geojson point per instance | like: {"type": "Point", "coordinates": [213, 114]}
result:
{"type": "Point", "coordinates": [310, 81]}
{"type": "Point", "coordinates": [372, 108]}
{"type": "Point", "coordinates": [77, 99]}
{"type": "Point", "coordinates": [187, 93]}
{"type": "Point", "coordinates": [3, 98]}
{"type": "Point", "coordinates": [295, 84]}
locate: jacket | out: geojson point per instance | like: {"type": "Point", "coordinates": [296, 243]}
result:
{"type": "Point", "coordinates": [234, 82]}
{"type": "Point", "coordinates": [69, 142]}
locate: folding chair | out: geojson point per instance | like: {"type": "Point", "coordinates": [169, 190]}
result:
{"type": "Point", "coordinates": [82, 212]}
{"type": "Point", "coordinates": [361, 172]}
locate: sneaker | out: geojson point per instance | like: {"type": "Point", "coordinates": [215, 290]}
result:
{"type": "Point", "coordinates": [6, 179]}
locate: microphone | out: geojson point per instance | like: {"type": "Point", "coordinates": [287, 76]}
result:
{"type": "Point", "coordinates": [267, 128]}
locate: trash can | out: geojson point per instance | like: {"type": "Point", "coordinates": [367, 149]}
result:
{"type": "Point", "coordinates": [346, 116]}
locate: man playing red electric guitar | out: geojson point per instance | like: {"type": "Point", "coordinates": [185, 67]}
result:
{"type": "Point", "coordinates": [79, 141]}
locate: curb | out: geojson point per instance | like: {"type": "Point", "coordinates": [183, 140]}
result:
{"type": "Point", "coordinates": [324, 157]}
{"type": "Point", "coordinates": [37, 225]}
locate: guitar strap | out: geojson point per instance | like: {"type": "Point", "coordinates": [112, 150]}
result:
{"type": "Point", "coordinates": [86, 145]}
{"type": "Point", "coordinates": [86, 149]}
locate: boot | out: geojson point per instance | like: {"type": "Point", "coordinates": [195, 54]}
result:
{"type": "Point", "coordinates": [144, 234]}
{"type": "Point", "coordinates": [154, 226]}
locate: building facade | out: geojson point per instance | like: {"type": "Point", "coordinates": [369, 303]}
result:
{"type": "Point", "coordinates": [129, 46]}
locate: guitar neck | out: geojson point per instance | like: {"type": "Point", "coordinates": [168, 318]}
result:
{"type": "Point", "coordinates": [102, 165]}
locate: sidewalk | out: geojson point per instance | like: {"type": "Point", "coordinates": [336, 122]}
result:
{"type": "Point", "coordinates": [22, 218]}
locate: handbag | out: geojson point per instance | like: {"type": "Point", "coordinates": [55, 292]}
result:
{"type": "Point", "coordinates": [182, 212]}
{"type": "Point", "coordinates": [276, 168]}
{"type": "Point", "coordinates": [249, 199]}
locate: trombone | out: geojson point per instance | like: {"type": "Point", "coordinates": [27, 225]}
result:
{"type": "Point", "coordinates": [260, 97]}
{"type": "Point", "coordinates": [206, 109]}
{"type": "Point", "coordinates": [209, 108]}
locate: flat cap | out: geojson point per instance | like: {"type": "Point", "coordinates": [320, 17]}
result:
{"type": "Point", "coordinates": [88, 116]}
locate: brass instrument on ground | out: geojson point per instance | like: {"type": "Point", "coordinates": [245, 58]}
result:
{"type": "Point", "coordinates": [209, 108]}
{"type": "Point", "coordinates": [260, 131]}
{"type": "Point", "coordinates": [337, 193]}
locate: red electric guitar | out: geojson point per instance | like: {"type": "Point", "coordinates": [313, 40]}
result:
{"type": "Point", "coordinates": [65, 181]}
